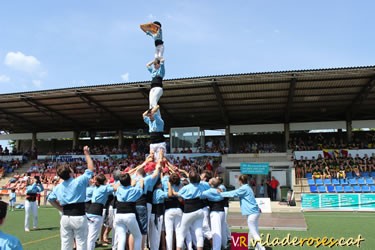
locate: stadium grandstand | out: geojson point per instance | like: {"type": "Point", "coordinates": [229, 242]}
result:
{"type": "Point", "coordinates": [266, 118]}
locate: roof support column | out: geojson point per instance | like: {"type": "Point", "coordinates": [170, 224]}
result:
{"type": "Point", "coordinates": [33, 146]}
{"type": "Point", "coordinates": [92, 137]}
{"type": "Point", "coordinates": [349, 129]}
{"type": "Point", "coordinates": [120, 139]}
{"type": "Point", "coordinates": [286, 135]}
{"type": "Point", "coordinates": [75, 140]}
{"type": "Point", "coordinates": [228, 138]}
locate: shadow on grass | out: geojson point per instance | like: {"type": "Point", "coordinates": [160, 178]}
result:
{"type": "Point", "coordinates": [47, 229]}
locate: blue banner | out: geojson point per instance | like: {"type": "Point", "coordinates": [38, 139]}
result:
{"type": "Point", "coordinates": [353, 201]}
{"type": "Point", "coordinates": [254, 168]}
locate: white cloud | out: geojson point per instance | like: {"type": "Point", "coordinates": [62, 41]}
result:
{"type": "Point", "coordinates": [22, 62]}
{"type": "Point", "coordinates": [4, 78]}
{"type": "Point", "coordinates": [151, 16]}
{"type": "Point", "coordinates": [37, 83]}
{"type": "Point", "coordinates": [125, 77]}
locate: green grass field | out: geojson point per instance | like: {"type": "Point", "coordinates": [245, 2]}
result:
{"type": "Point", "coordinates": [320, 224]}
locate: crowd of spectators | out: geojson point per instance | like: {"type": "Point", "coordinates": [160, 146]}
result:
{"type": "Point", "coordinates": [335, 167]}
{"type": "Point", "coordinates": [319, 141]}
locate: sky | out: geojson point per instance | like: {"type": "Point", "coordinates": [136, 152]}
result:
{"type": "Point", "coordinates": [60, 44]}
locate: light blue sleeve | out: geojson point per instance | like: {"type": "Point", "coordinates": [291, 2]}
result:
{"type": "Point", "coordinates": [52, 196]}
{"type": "Point", "coordinates": [40, 188]}
{"type": "Point", "coordinates": [149, 69]}
{"type": "Point", "coordinates": [182, 191]}
{"type": "Point", "coordinates": [109, 189]}
{"type": "Point", "coordinates": [149, 33]}
{"type": "Point", "coordinates": [146, 119]}
{"type": "Point", "coordinates": [162, 70]}
{"type": "Point", "coordinates": [159, 121]}
{"type": "Point", "coordinates": [235, 193]}
{"type": "Point", "coordinates": [85, 178]}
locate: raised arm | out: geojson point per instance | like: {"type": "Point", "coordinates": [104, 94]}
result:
{"type": "Point", "coordinates": [90, 164]}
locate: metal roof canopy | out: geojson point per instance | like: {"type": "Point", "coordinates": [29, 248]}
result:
{"type": "Point", "coordinates": [208, 102]}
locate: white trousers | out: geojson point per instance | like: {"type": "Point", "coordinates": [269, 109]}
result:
{"type": "Point", "coordinates": [193, 220]}
{"type": "Point", "coordinates": [218, 229]}
{"type": "Point", "coordinates": [228, 233]}
{"type": "Point", "coordinates": [154, 97]}
{"type": "Point", "coordinates": [125, 223]}
{"type": "Point", "coordinates": [252, 222]}
{"type": "Point", "coordinates": [156, 147]}
{"type": "Point", "coordinates": [95, 223]}
{"type": "Point", "coordinates": [73, 227]}
{"type": "Point", "coordinates": [155, 232]}
{"type": "Point", "coordinates": [206, 223]}
{"type": "Point", "coordinates": [159, 51]}
{"type": "Point", "coordinates": [31, 207]}
{"type": "Point", "coordinates": [172, 221]}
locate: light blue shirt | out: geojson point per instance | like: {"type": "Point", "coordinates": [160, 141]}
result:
{"type": "Point", "coordinates": [204, 185]}
{"type": "Point", "coordinates": [157, 125]}
{"type": "Point", "coordinates": [190, 191]}
{"type": "Point", "coordinates": [247, 200]}
{"type": "Point", "coordinates": [148, 182]}
{"type": "Point", "coordinates": [89, 191]}
{"type": "Point", "coordinates": [101, 193]}
{"type": "Point", "coordinates": [9, 242]}
{"type": "Point", "coordinates": [12, 196]}
{"type": "Point", "coordinates": [128, 194]}
{"type": "Point", "coordinates": [164, 182]}
{"type": "Point", "coordinates": [158, 196]}
{"type": "Point", "coordinates": [223, 188]}
{"type": "Point", "coordinates": [212, 195]}
{"type": "Point", "coordinates": [157, 72]}
{"type": "Point", "coordinates": [157, 36]}
{"type": "Point", "coordinates": [72, 190]}
{"type": "Point", "coordinates": [35, 188]}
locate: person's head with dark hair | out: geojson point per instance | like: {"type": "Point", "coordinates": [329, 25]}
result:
{"type": "Point", "coordinates": [214, 182]}
{"type": "Point", "coordinates": [243, 179]}
{"type": "Point", "coordinates": [64, 172]}
{"type": "Point", "coordinates": [141, 172]}
{"type": "Point", "coordinates": [194, 177]}
{"type": "Point", "coordinates": [206, 175]}
{"type": "Point", "coordinates": [116, 174]}
{"type": "Point", "coordinates": [184, 182]}
{"type": "Point", "coordinates": [157, 184]}
{"type": "Point", "coordinates": [125, 179]}
{"type": "Point", "coordinates": [3, 211]}
{"type": "Point", "coordinates": [174, 179]}
{"type": "Point", "coordinates": [221, 180]}
{"type": "Point", "coordinates": [157, 23]}
{"type": "Point", "coordinates": [100, 179]}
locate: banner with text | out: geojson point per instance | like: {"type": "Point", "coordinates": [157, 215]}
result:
{"type": "Point", "coordinates": [254, 168]}
{"type": "Point", "coordinates": [349, 201]}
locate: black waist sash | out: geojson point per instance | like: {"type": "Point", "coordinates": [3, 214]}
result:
{"type": "Point", "coordinates": [96, 208]}
{"type": "Point", "coordinates": [172, 203]}
{"type": "Point", "coordinates": [74, 209]}
{"type": "Point", "coordinates": [192, 205]}
{"type": "Point", "coordinates": [158, 42]}
{"type": "Point", "coordinates": [217, 205]}
{"type": "Point", "coordinates": [226, 202]}
{"type": "Point", "coordinates": [157, 137]}
{"type": "Point", "coordinates": [87, 205]}
{"type": "Point", "coordinates": [125, 208]}
{"type": "Point", "coordinates": [149, 197]}
{"type": "Point", "coordinates": [157, 81]}
{"type": "Point", "coordinates": [158, 209]}
{"type": "Point", "coordinates": [31, 196]}
{"type": "Point", "coordinates": [141, 201]}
